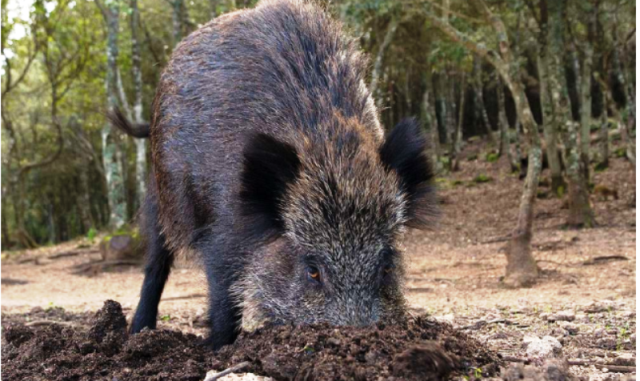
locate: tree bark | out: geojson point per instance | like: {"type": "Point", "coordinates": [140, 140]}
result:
{"type": "Point", "coordinates": [580, 212]}
{"type": "Point", "coordinates": [141, 144]}
{"type": "Point", "coordinates": [112, 166]}
{"type": "Point", "coordinates": [457, 139]}
{"type": "Point", "coordinates": [479, 100]}
{"type": "Point", "coordinates": [550, 126]}
{"type": "Point", "coordinates": [431, 123]}
{"type": "Point", "coordinates": [376, 73]}
{"type": "Point", "coordinates": [505, 144]}
{"type": "Point", "coordinates": [603, 162]}
{"type": "Point", "coordinates": [549, 117]}
{"type": "Point", "coordinates": [585, 107]}
{"type": "Point", "coordinates": [577, 162]}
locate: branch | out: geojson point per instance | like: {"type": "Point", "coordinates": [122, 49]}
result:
{"type": "Point", "coordinates": [377, 66]}
{"type": "Point", "coordinates": [215, 376]}
{"type": "Point", "coordinates": [123, 97]}
{"type": "Point", "coordinates": [25, 169]}
{"type": "Point", "coordinates": [464, 40]}
{"type": "Point", "coordinates": [532, 8]}
{"type": "Point", "coordinates": [103, 10]}
{"type": "Point", "coordinates": [498, 26]}
{"type": "Point", "coordinates": [10, 86]}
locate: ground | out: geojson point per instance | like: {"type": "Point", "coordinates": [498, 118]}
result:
{"type": "Point", "coordinates": [585, 297]}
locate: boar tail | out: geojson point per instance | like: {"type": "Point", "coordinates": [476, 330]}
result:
{"type": "Point", "coordinates": [118, 120]}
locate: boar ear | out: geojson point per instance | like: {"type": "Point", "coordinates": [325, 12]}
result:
{"type": "Point", "coordinates": [404, 152]}
{"type": "Point", "coordinates": [269, 167]}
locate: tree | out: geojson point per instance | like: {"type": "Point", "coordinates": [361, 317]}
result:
{"type": "Point", "coordinates": [111, 152]}
{"type": "Point", "coordinates": [136, 68]}
{"type": "Point", "coordinates": [580, 211]}
{"type": "Point", "coordinates": [522, 269]}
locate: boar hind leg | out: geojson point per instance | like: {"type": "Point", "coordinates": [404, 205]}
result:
{"type": "Point", "coordinates": [159, 261]}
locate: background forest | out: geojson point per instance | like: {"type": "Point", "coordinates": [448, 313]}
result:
{"type": "Point", "coordinates": [543, 82]}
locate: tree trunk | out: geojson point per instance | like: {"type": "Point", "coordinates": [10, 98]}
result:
{"type": "Point", "coordinates": [457, 138]}
{"type": "Point", "coordinates": [505, 144]}
{"type": "Point", "coordinates": [479, 100]}
{"type": "Point", "coordinates": [6, 237]}
{"type": "Point", "coordinates": [84, 202]}
{"type": "Point", "coordinates": [577, 160]}
{"type": "Point", "coordinates": [580, 212]}
{"type": "Point", "coordinates": [450, 119]}
{"type": "Point", "coordinates": [550, 122]}
{"type": "Point", "coordinates": [585, 108]}
{"type": "Point", "coordinates": [112, 166]}
{"type": "Point", "coordinates": [604, 138]}
{"type": "Point", "coordinates": [522, 269]}
{"type": "Point", "coordinates": [177, 18]}
{"type": "Point", "coordinates": [431, 124]}
{"type": "Point", "coordinates": [378, 63]}
{"type": "Point", "coordinates": [626, 85]}
{"type": "Point", "coordinates": [141, 144]}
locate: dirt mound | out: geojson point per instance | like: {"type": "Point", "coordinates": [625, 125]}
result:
{"type": "Point", "coordinates": [420, 350]}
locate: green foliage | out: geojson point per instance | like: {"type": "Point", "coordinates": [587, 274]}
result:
{"type": "Point", "coordinates": [600, 167]}
{"type": "Point", "coordinates": [482, 178]}
{"type": "Point", "coordinates": [91, 234]}
{"type": "Point", "coordinates": [492, 157]}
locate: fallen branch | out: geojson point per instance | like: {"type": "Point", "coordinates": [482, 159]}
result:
{"type": "Point", "coordinates": [482, 323]}
{"type": "Point", "coordinates": [71, 254]}
{"type": "Point", "coordinates": [609, 367]}
{"type": "Point", "coordinates": [233, 369]}
{"type": "Point", "coordinates": [606, 258]}
{"type": "Point", "coordinates": [42, 323]}
{"type": "Point", "coordinates": [509, 358]}
{"type": "Point", "coordinates": [496, 240]}
{"type": "Point", "coordinates": [100, 265]}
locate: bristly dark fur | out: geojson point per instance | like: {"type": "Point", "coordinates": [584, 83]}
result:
{"type": "Point", "coordinates": [405, 152]}
{"type": "Point", "coordinates": [269, 167]}
{"type": "Point", "coordinates": [269, 161]}
{"type": "Point", "coordinates": [118, 120]}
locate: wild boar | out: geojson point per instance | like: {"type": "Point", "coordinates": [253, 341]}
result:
{"type": "Point", "coordinates": [270, 162]}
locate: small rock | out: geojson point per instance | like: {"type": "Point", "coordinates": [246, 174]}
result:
{"type": "Point", "coordinates": [446, 318]}
{"type": "Point", "coordinates": [545, 316]}
{"type": "Point", "coordinates": [629, 314]}
{"type": "Point", "coordinates": [546, 347]}
{"type": "Point", "coordinates": [571, 328]}
{"type": "Point", "coordinates": [567, 315]}
{"type": "Point", "coordinates": [599, 332]}
{"type": "Point", "coordinates": [582, 318]}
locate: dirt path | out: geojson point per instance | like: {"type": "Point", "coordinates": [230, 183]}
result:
{"type": "Point", "coordinates": [454, 270]}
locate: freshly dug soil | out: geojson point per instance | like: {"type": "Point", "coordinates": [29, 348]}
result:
{"type": "Point", "coordinates": [100, 348]}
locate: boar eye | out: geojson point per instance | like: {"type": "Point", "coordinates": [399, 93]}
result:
{"type": "Point", "coordinates": [313, 274]}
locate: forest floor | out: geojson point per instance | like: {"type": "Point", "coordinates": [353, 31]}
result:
{"type": "Point", "coordinates": [583, 304]}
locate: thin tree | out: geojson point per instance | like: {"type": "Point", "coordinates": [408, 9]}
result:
{"type": "Point", "coordinates": [111, 152]}
{"type": "Point", "coordinates": [136, 68]}
{"type": "Point", "coordinates": [522, 269]}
